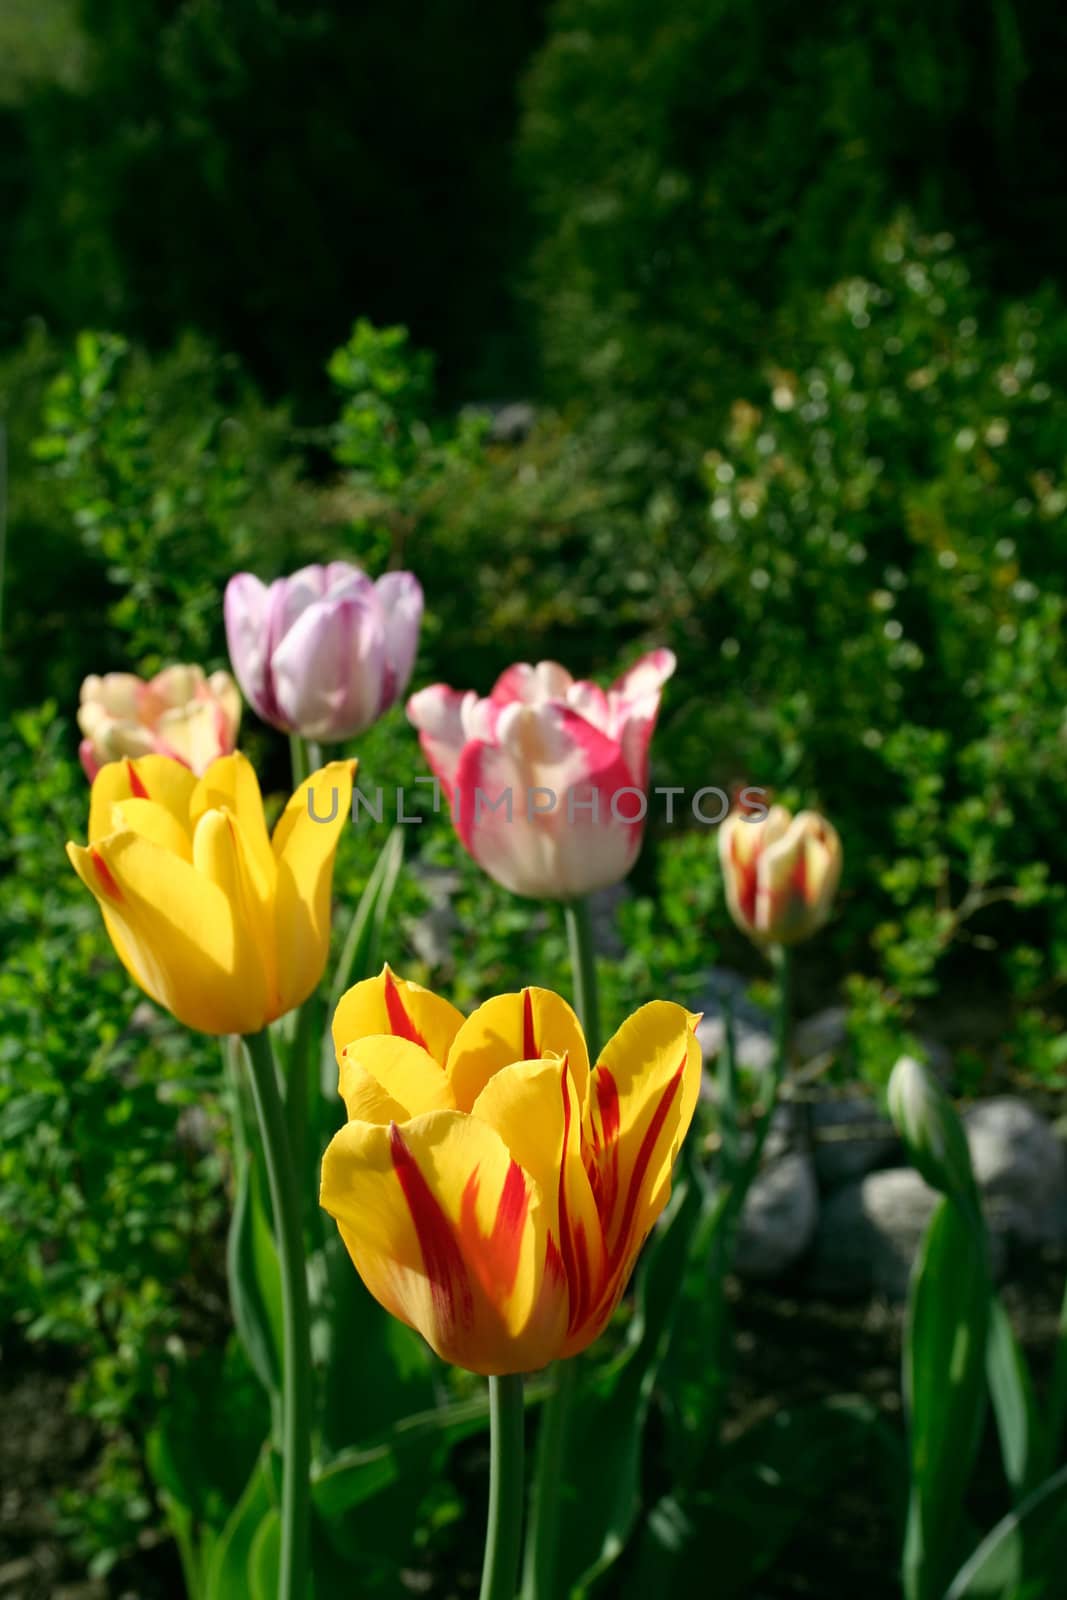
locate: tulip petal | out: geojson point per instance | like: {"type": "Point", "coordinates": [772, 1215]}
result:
{"type": "Point", "coordinates": [634, 699]}
{"type": "Point", "coordinates": [437, 713]}
{"type": "Point", "coordinates": [246, 609]}
{"type": "Point", "coordinates": [388, 1004]}
{"type": "Point", "coordinates": [230, 784]}
{"type": "Point", "coordinates": [304, 846]}
{"type": "Point", "coordinates": [364, 1098]}
{"type": "Point", "coordinates": [400, 599]}
{"type": "Point", "coordinates": [515, 1027]}
{"type": "Point", "coordinates": [152, 777]}
{"type": "Point", "coordinates": [220, 854]}
{"type": "Point", "coordinates": [177, 933]}
{"type": "Point", "coordinates": [534, 1107]}
{"type": "Point", "coordinates": [447, 1232]}
{"type": "Point", "coordinates": [151, 821]}
{"type": "Point", "coordinates": [407, 1074]}
{"type": "Point", "coordinates": [227, 700]}
{"type": "Point", "coordinates": [642, 1095]}
{"type": "Point", "coordinates": [576, 843]}
{"type": "Point", "coordinates": [532, 685]}
{"type": "Point", "coordinates": [328, 669]}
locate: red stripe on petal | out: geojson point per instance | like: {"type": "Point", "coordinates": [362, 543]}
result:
{"type": "Point", "coordinates": [800, 877]}
{"type": "Point", "coordinates": [530, 1051]}
{"type": "Point", "coordinates": [105, 875]}
{"type": "Point", "coordinates": [746, 881]}
{"type": "Point", "coordinates": [605, 1169]}
{"type": "Point", "coordinates": [136, 782]}
{"type": "Point", "coordinates": [442, 1259]}
{"type": "Point", "coordinates": [644, 1156]}
{"type": "Point", "coordinates": [496, 1255]}
{"type": "Point", "coordinates": [399, 1021]}
{"type": "Point", "coordinates": [554, 1268]}
{"type": "Point", "coordinates": [575, 1261]}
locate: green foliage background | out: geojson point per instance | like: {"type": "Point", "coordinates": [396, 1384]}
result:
{"type": "Point", "coordinates": [782, 287]}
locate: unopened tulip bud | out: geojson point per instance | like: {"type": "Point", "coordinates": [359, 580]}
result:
{"type": "Point", "coordinates": [933, 1135]}
{"type": "Point", "coordinates": [781, 873]}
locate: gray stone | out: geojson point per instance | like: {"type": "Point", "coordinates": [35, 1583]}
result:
{"type": "Point", "coordinates": [869, 1233]}
{"type": "Point", "coordinates": [823, 1037]}
{"type": "Point", "coordinates": [1021, 1169]}
{"type": "Point", "coordinates": [433, 933]}
{"type": "Point", "coordinates": [432, 937]}
{"type": "Point", "coordinates": [511, 422]}
{"type": "Point", "coordinates": [779, 1217]}
{"type": "Point", "coordinates": [851, 1138]}
{"type": "Point", "coordinates": [603, 917]}
{"type": "Point", "coordinates": [824, 1033]}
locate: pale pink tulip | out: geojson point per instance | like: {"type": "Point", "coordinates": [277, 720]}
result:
{"type": "Point", "coordinates": [548, 777]}
{"type": "Point", "coordinates": [324, 652]}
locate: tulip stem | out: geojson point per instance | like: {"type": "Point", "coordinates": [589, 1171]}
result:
{"type": "Point", "coordinates": [298, 759]}
{"type": "Point", "coordinates": [782, 961]}
{"type": "Point", "coordinates": [296, 1357]}
{"type": "Point", "coordinates": [542, 1538]}
{"type": "Point", "coordinates": [298, 1088]}
{"type": "Point", "coordinates": [583, 970]}
{"type": "Point", "coordinates": [503, 1536]}
{"type": "Point", "coordinates": [539, 1572]}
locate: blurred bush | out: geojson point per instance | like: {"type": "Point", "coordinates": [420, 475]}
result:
{"type": "Point", "coordinates": [258, 170]}
{"type": "Point", "coordinates": [112, 1151]}
{"type": "Point", "coordinates": [863, 580]}
{"type": "Point", "coordinates": [693, 166]}
{"type": "Point", "coordinates": [136, 487]}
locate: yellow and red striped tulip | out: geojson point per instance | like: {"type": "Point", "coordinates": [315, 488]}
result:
{"type": "Point", "coordinates": [781, 873]}
{"type": "Point", "coordinates": [180, 713]}
{"type": "Point", "coordinates": [492, 1190]}
{"type": "Point", "coordinates": [224, 925]}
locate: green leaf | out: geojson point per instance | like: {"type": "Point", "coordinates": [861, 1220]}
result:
{"type": "Point", "coordinates": [263, 1560]}
{"type": "Point", "coordinates": [375, 1370]}
{"type": "Point", "coordinates": [201, 1450]}
{"type": "Point", "coordinates": [1013, 1403]}
{"type": "Point", "coordinates": [360, 954]}
{"type": "Point", "coordinates": [355, 1475]}
{"type": "Point", "coordinates": [352, 1478]}
{"type": "Point", "coordinates": [759, 1491]}
{"type": "Point", "coordinates": [254, 1275]}
{"type": "Point", "coordinates": [228, 1575]}
{"type": "Point", "coordinates": [1023, 1557]}
{"type": "Point", "coordinates": [944, 1390]}
{"type": "Point", "coordinates": [1057, 1401]}
{"type": "Point", "coordinates": [694, 1378]}
{"type": "Point", "coordinates": [601, 1497]}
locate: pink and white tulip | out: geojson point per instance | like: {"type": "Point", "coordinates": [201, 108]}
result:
{"type": "Point", "coordinates": [781, 873]}
{"type": "Point", "coordinates": [324, 652]}
{"type": "Point", "coordinates": [548, 777]}
{"type": "Point", "coordinates": [179, 713]}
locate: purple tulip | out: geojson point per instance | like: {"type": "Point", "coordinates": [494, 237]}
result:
{"type": "Point", "coordinates": [324, 652]}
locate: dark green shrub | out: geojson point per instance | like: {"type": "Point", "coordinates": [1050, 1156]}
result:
{"type": "Point", "coordinates": [137, 487]}
{"type": "Point", "coordinates": [693, 165]}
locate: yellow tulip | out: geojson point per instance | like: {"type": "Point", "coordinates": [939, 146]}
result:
{"type": "Point", "coordinates": [781, 873]}
{"type": "Point", "coordinates": [223, 925]}
{"type": "Point", "coordinates": [492, 1190]}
